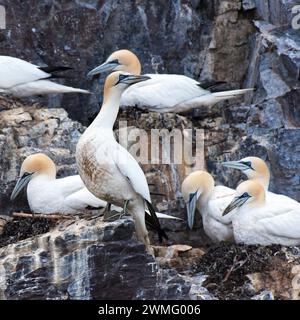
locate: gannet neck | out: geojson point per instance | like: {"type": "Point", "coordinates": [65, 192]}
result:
{"type": "Point", "coordinates": [109, 109]}
{"type": "Point", "coordinates": [260, 171]}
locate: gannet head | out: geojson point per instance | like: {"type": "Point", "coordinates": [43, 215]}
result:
{"type": "Point", "coordinates": [32, 166]}
{"type": "Point", "coordinates": [118, 81]}
{"type": "Point", "coordinates": [198, 185]}
{"type": "Point", "coordinates": [250, 193]}
{"type": "Point", "coordinates": [121, 60]}
{"type": "Point", "coordinates": [253, 167]}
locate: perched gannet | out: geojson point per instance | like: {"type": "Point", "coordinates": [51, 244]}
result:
{"type": "Point", "coordinates": [257, 222]}
{"type": "Point", "coordinates": [106, 168]}
{"type": "Point", "coordinates": [199, 192]}
{"type": "Point", "coordinates": [46, 194]}
{"type": "Point", "coordinates": [163, 92]}
{"type": "Point", "coordinates": [22, 79]}
{"type": "Point", "coordinates": [256, 169]}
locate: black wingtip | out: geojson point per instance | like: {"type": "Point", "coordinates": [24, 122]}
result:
{"type": "Point", "coordinates": [54, 71]}
{"type": "Point", "coordinates": [153, 222]}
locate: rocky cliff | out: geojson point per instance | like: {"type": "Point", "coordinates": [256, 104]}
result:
{"type": "Point", "coordinates": [247, 43]}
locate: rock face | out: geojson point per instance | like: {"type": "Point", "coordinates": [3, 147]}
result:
{"type": "Point", "coordinates": [85, 260]}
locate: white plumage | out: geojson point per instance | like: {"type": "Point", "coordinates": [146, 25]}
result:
{"type": "Point", "coordinates": [199, 192]}
{"type": "Point", "coordinates": [256, 221]}
{"type": "Point", "coordinates": [163, 92]}
{"type": "Point", "coordinates": [46, 194]}
{"type": "Point", "coordinates": [21, 79]}
{"type": "Point", "coordinates": [107, 169]}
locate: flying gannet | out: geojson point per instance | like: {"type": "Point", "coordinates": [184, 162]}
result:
{"type": "Point", "coordinates": [46, 194]}
{"type": "Point", "coordinates": [199, 192]}
{"type": "Point", "coordinates": [163, 92]}
{"type": "Point", "coordinates": [257, 222]}
{"type": "Point", "coordinates": [107, 169]}
{"type": "Point", "coordinates": [20, 78]}
{"type": "Point", "coordinates": [256, 169]}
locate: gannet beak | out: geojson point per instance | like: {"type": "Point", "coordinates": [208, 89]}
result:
{"type": "Point", "coordinates": [132, 79]}
{"type": "Point", "coordinates": [237, 202]}
{"type": "Point", "coordinates": [106, 66]}
{"type": "Point", "coordinates": [235, 165]}
{"type": "Point", "coordinates": [191, 208]}
{"type": "Point", "coordinates": [21, 184]}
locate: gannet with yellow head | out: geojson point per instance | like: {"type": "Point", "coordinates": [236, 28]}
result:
{"type": "Point", "coordinates": [46, 194]}
{"type": "Point", "coordinates": [257, 222]}
{"type": "Point", "coordinates": [256, 169]}
{"type": "Point", "coordinates": [199, 192]}
{"type": "Point", "coordinates": [108, 170]}
{"type": "Point", "coordinates": [20, 78]}
{"type": "Point", "coordinates": [164, 92]}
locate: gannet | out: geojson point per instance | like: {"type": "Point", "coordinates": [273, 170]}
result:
{"type": "Point", "coordinates": [257, 222]}
{"type": "Point", "coordinates": [199, 192]}
{"type": "Point", "coordinates": [163, 92]}
{"type": "Point", "coordinates": [22, 79]}
{"type": "Point", "coordinates": [46, 194]}
{"type": "Point", "coordinates": [256, 169]}
{"type": "Point", "coordinates": [107, 169]}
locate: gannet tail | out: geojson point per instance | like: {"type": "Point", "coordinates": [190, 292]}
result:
{"type": "Point", "coordinates": [224, 95]}
{"type": "Point", "coordinates": [43, 87]}
{"type": "Point", "coordinates": [153, 222]}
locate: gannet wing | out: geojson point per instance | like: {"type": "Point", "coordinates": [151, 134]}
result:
{"type": "Point", "coordinates": [285, 225]}
{"type": "Point", "coordinates": [161, 91]}
{"type": "Point", "coordinates": [14, 72]}
{"type": "Point", "coordinates": [82, 199]}
{"type": "Point", "coordinates": [69, 185]}
{"type": "Point", "coordinates": [130, 169]}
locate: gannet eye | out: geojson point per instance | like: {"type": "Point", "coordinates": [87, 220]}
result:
{"type": "Point", "coordinates": [122, 77]}
{"type": "Point", "coordinates": [26, 174]}
{"type": "Point", "coordinates": [247, 164]}
{"type": "Point", "coordinates": [116, 61]}
{"type": "Point", "coordinates": [245, 195]}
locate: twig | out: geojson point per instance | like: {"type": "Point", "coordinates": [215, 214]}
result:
{"type": "Point", "coordinates": [43, 216]}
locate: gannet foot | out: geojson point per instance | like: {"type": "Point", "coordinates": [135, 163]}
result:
{"type": "Point", "coordinates": [125, 210]}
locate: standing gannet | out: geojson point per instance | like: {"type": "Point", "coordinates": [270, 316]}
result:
{"type": "Point", "coordinates": [107, 169]}
{"type": "Point", "coordinates": [256, 169]}
{"type": "Point", "coordinates": [257, 222]}
{"type": "Point", "coordinates": [199, 192]}
{"type": "Point", "coordinates": [46, 194]}
{"type": "Point", "coordinates": [22, 79]}
{"type": "Point", "coordinates": [163, 92]}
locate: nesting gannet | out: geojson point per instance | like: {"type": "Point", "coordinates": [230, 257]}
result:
{"type": "Point", "coordinates": [22, 79]}
{"type": "Point", "coordinates": [257, 222]}
{"type": "Point", "coordinates": [199, 192]}
{"type": "Point", "coordinates": [107, 169]}
{"type": "Point", "coordinates": [163, 92]}
{"type": "Point", "coordinates": [256, 169]}
{"type": "Point", "coordinates": [46, 194]}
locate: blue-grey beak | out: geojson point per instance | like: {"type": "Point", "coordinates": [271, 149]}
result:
{"type": "Point", "coordinates": [106, 66]}
{"type": "Point", "coordinates": [237, 202]}
{"type": "Point", "coordinates": [21, 184]}
{"type": "Point", "coordinates": [236, 165]}
{"type": "Point", "coordinates": [131, 79]}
